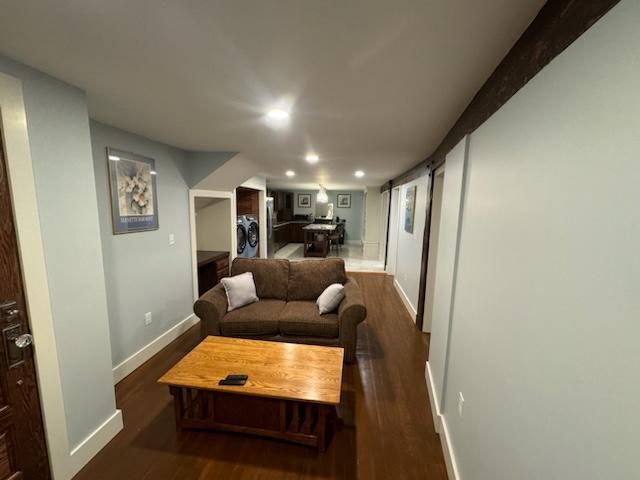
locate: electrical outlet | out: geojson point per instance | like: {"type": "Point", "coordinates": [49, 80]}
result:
{"type": "Point", "coordinates": [172, 239]}
{"type": "Point", "coordinates": [460, 404]}
{"type": "Point", "coordinates": [147, 318]}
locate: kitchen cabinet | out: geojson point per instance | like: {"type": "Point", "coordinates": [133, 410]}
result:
{"type": "Point", "coordinates": [247, 201]}
{"type": "Point", "coordinates": [288, 232]}
{"type": "Point", "coordinates": [283, 205]}
{"type": "Point", "coordinates": [280, 236]}
{"type": "Point", "coordinates": [297, 233]}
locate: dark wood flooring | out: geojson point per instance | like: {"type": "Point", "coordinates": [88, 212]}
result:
{"type": "Point", "coordinates": [386, 433]}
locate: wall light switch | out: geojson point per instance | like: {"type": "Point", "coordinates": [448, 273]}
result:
{"type": "Point", "coordinates": [460, 404]}
{"type": "Point", "coordinates": [147, 318]}
{"type": "Point", "coordinates": [172, 239]}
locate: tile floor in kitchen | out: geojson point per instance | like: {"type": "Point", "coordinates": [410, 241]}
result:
{"type": "Point", "coordinates": [352, 255]}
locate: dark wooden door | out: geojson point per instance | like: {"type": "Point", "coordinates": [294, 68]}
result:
{"type": "Point", "coordinates": [23, 451]}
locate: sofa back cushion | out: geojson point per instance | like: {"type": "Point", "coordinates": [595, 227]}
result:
{"type": "Point", "coordinates": [271, 276]}
{"type": "Point", "coordinates": [308, 279]}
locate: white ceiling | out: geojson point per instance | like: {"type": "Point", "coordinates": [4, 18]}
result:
{"type": "Point", "coordinates": [372, 84]}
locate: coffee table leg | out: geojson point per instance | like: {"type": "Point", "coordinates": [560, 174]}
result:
{"type": "Point", "coordinates": [177, 405]}
{"type": "Point", "coordinates": [322, 427]}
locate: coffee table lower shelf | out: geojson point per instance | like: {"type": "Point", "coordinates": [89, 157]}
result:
{"type": "Point", "coordinates": [291, 420]}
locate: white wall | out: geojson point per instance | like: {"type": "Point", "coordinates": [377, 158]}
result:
{"type": "Point", "coordinates": [409, 245]}
{"type": "Point", "coordinates": [434, 234]}
{"type": "Point", "coordinates": [383, 222]}
{"type": "Point", "coordinates": [544, 341]}
{"type": "Point", "coordinates": [446, 259]}
{"type": "Point", "coordinates": [143, 272]}
{"type": "Point", "coordinates": [371, 223]}
{"type": "Point", "coordinates": [394, 214]}
{"type": "Point", "coordinates": [213, 223]}
{"type": "Point", "coordinates": [58, 127]}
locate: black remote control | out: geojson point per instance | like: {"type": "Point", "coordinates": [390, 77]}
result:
{"type": "Point", "coordinates": [232, 381]}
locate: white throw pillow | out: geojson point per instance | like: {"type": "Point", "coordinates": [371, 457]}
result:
{"type": "Point", "coordinates": [329, 300]}
{"type": "Point", "coordinates": [240, 289]}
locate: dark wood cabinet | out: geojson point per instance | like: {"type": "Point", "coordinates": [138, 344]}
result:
{"type": "Point", "coordinates": [280, 236]}
{"type": "Point", "coordinates": [247, 201]}
{"type": "Point", "coordinates": [212, 267]}
{"type": "Point", "coordinates": [297, 233]}
{"type": "Point", "coordinates": [278, 201]}
{"type": "Point", "coordinates": [288, 233]}
{"type": "Point", "coordinates": [283, 205]}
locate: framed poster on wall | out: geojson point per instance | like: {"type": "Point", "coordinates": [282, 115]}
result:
{"type": "Point", "coordinates": [134, 195]}
{"type": "Point", "coordinates": [344, 200]}
{"type": "Point", "coordinates": [304, 200]}
{"type": "Point", "coordinates": [409, 208]}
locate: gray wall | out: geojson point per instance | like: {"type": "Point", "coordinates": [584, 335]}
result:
{"type": "Point", "coordinates": [143, 272]}
{"type": "Point", "coordinates": [201, 164]}
{"type": "Point", "coordinates": [58, 126]}
{"type": "Point", "coordinates": [354, 215]}
{"type": "Point", "coordinates": [544, 339]}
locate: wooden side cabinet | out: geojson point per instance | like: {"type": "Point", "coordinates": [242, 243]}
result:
{"type": "Point", "coordinates": [212, 267]}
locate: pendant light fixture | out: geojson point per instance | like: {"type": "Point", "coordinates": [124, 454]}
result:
{"type": "Point", "coordinates": [322, 196]}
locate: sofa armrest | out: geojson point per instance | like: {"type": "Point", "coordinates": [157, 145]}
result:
{"type": "Point", "coordinates": [352, 308]}
{"type": "Point", "coordinates": [351, 312]}
{"type": "Point", "coordinates": [210, 308]}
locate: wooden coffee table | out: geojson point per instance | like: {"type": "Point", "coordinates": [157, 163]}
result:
{"type": "Point", "coordinates": [291, 392]}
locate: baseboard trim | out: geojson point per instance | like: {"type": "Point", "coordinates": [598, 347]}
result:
{"type": "Point", "coordinates": [440, 425]}
{"type": "Point", "coordinates": [433, 401]}
{"type": "Point", "coordinates": [447, 451]}
{"type": "Point", "coordinates": [95, 442]}
{"type": "Point", "coordinates": [129, 365]}
{"type": "Point", "coordinates": [405, 300]}
{"type": "Point", "coordinates": [371, 249]}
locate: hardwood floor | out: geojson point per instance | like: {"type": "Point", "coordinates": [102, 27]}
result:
{"type": "Point", "coordinates": [386, 432]}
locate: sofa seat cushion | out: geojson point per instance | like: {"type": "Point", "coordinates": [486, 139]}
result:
{"type": "Point", "coordinates": [303, 319]}
{"type": "Point", "coordinates": [259, 318]}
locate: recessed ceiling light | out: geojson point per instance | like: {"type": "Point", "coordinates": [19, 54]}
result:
{"type": "Point", "coordinates": [312, 158]}
{"type": "Point", "coordinates": [359, 173]}
{"type": "Point", "coordinates": [114, 158]}
{"type": "Point", "coordinates": [290, 173]}
{"type": "Point", "coordinates": [278, 114]}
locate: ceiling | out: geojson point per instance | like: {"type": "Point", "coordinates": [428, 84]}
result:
{"type": "Point", "coordinates": [371, 84]}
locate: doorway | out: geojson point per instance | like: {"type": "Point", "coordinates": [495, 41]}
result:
{"type": "Point", "coordinates": [383, 223]}
{"type": "Point", "coordinates": [250, 220]}
{"type": "Point", "coordinates": [213, 237]}
{"type": "Point", "coordinates": [394, 222]}
{"type": "Point", "coordinates": [23, 449]}
{"type": "Point", "coordinates": [434, 232]}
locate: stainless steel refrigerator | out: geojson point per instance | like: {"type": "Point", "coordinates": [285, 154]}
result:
{"type": "Point", "coordinates": [271, 245]}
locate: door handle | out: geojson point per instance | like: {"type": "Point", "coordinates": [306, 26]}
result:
{"type": "Point", "coordinates": [24, 340]}
{"type": "Point", "coordinates": [15, 344]}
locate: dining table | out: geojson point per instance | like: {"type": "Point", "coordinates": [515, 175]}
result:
{"type": "Point", "coordinates": [316, 239]}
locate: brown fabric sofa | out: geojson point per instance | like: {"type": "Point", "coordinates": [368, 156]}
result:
{"type": "Point", "coordinates": [287, 309]}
